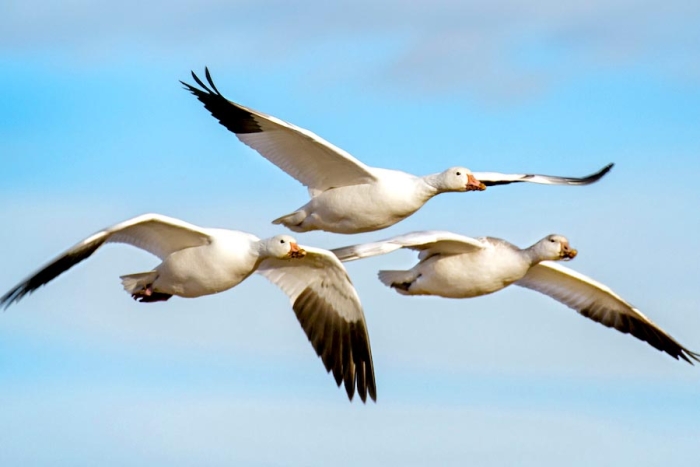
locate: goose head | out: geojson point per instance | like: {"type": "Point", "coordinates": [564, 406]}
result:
{"type": "Point", "coordinates": [458, 179]}
{"type": "Point", "coordinates": [283, 247]}
{"type": "Point", "coordinates": [553, 248]}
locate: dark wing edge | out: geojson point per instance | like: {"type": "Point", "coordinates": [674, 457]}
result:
{"type": "Point", "coordinates": [599, 303]}
{"type": "Point", "coordinates": [587, 180]}
{"type": "Point", "coordinates": [52, 270]}
{"type": "Point", "coordinates": [642, 330]}
{"type": "Point", "coordinates": [234, 117]}
{"type": "Point", "coordinates": [342, 345]}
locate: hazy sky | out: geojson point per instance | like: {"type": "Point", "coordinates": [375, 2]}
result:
{"type": "Point", "coordinates": [95, 128]}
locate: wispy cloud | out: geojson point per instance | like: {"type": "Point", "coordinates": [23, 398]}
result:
{"type": "Point", "coordinates": [503, 48]}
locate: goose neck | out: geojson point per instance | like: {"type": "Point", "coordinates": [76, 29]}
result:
{"type": "Point", "coordinates": [432, 184]}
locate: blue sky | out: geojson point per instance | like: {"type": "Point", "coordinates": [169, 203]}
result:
{"type": "Point", "coordinates": [95, 128]}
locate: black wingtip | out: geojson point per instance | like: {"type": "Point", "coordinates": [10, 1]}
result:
{"type": "Point", "coordinates": [689, 356]}
{"type": "Point", "coordinates": [343, 346]}
{"type": "Point", "coordinates": [606, 169]}
{"type": "Point", "coordinates": [351, 392]}
{"type": "Point", "coordinates": [373, 393]}
{"type": "Point", "coordinates": [234, 117]}
{"type": "Point", "coordinates": [598, 175]}
{"type": "Point", "coordinates": [189, 87]}
{"type": "Point", "coordinates": [5, 301]}
{"type": "Point", "coordinates": [16, 294]}
{"type": "Point", "coordinates": [199, 82]}
{"type": "Point", "coordinates": [211, 89]}
{"type": "Point", "coordinates": [52, 270]}
{"type": "Point", "coordinates": [210, 81]}
{"type": "Point", "coordinates": [8, 299]}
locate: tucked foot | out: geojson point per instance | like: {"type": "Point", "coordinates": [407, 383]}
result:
{"type": "Point", "coordinates": [147, 295]}
{"type": "Point", "coordinates": [401, 285]}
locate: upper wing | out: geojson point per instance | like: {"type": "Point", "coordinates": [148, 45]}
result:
{"type": "Point", "coordinates": [330, 313]}
{"type": "Point", "coordinates": [597, 302]}
{"type": "Point", "coordinates": [159, 235]}
{"type": "Point", "coordinates": [495, 178]}
{"type": "Point", "coordinates": [428, 242]}
{"type": "Point", "coordinates": [313, 161]}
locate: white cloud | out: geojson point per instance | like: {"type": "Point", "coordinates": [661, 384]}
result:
{"type": "Point", "coordinates": [499, 49]}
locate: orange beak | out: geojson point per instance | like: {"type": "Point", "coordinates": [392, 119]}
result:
{"type": "Point", "coordinates": [295, 251]}
{"type": "Point", "coordinates": [567, 252]}
{"type": "Point", "coordinates": [473, 184]}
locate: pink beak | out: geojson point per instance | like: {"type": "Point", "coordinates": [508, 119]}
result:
{"type": "Point", "coordinates": [295, 251]}
{"type": "Point", "coordinates": [567, 252]}
{"type": "Point", "coordinates": [473, 184]}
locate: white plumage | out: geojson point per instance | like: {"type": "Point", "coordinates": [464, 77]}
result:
{"type": "Point", "coordinates": [201, 261]}
{"type": "Point", "coordinates": [347, 196]}
{"type": "Point", "coordinates": [456, 266]}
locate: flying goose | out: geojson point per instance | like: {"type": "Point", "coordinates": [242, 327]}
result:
{"type": "Point", "coordinates": [455, 266]}
{"type": "Point", "coordinates": [347, 196]}
{"type": "Point", "coordinates": [200, 261]}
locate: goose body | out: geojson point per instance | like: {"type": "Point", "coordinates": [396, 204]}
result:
{"type": "Point", "coordinates": [198, 261]}
{"type": "Point", "coordinates": [347, 196]}
{"type": "Point", "coordinates": [393, 197]}
{"type": "Point", "coordinates": [204, 270]}
{"type": "Point", "coordinates": [489, 269]}
{"type": "Point", "coordinates": [455, 266]}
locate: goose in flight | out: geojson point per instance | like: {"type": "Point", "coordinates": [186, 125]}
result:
{"type": "Point", "coordinates": [202, 261]}
{"type": "Point", "coordinates": [347, 196]}
{"type": "Point", "coordinates": [456, 266]}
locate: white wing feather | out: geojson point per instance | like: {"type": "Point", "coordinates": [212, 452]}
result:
{"type": "Point", "coordinates": [315, 268]}
{"type": "Point", "coordinates": [159, 235]}
{"type": "Point", "coordinates": [313, 161]}
{"type": "Point", "coordinates": [495, 178]}
{"type": "Point", "coordinates": [599, 303]}
{"type": "Point", "coordinates": [329, 310]}
{"type": "Point", "coordinates": [428, 242]}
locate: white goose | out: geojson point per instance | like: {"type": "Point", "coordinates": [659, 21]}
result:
{"type": "Point", "coordinates": [200, 261]}
{"type": "Point", "coordinates": [347, 196]}
{"type": "Point", "coordinates": [456, 266]}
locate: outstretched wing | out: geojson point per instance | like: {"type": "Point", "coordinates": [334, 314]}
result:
{"type": "Point", "coordinates": [310, 159]}
{"type": "Point", "coordinates": [331, 315]}
{"type": "Point", "coordinates": [597, 302]}
{"type": "Point", "coordinates": [495, 178]}
{"type": "Point", "coordinates": [428, 242]}
{"type": "Point", "coordinates": [159, 235]}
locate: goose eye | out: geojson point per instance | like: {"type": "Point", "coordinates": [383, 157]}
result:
{"type": "Point", "coordinates": [459, 173]}
{"type": "Point", "coordinates": [552, 240]}
{"type": "Point", "coordinates": [281, 241]}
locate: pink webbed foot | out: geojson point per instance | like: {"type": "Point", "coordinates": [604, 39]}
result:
{"type": "Point", "coordinates": [147, 295]}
